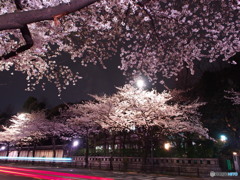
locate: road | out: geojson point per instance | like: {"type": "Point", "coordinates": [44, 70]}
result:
{"type": "Point", "coordinates": [17, 172]}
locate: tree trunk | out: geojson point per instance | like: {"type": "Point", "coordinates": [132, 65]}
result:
{"type": "Point", "coordinates": [54, 149]}
{"type": "Point", "coordinates": [87, 152]}
{"type": "Point", "coordinates": [111, 161]}
{"type": "Point", "coordinates": [28, 150]}
{"type": "Point", "coordinates": [190, 150]}
{"type": "Point", "coordinates": [34, 150]}
{"type": "Point", "coordinates": [152, 155]}
{"type": "Point", "coordinates": [112, 151]}
{"type": "Point", "coordinates": [146, 148]}
{"type": "Point", "coordinates": [105, 145]}
{"type": "Point", "coordinates": [19, 150]}
{"type": "Point", "coordinates": [94, 146]}
{"type": "Point", "coordinates": [123, 144]}
{"type": "Point", "coordinates": [8, 149]}
{"type": "Point", "coordinates": [54, 146]}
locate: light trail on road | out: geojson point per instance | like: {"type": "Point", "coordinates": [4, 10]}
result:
{"type": "Point", "coordinates": [32, 175]}
{"type": "Point", "coordinates": [45, 159]}
{"type": "Point", "coordinates": [50, 175]}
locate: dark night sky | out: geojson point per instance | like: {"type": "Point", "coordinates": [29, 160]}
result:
{"type": "Point", "coordinates": [96, 80]}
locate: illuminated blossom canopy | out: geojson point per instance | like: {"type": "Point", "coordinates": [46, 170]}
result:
{"type": "Point", "coordinates": [130, 108]}
{"type": "Point", "coordinates": [21, 128]}
{"type": "Point", "coordinates": [151, 36]}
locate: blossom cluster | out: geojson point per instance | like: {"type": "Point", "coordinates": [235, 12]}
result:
{"type": "Point", "coordinates": [152, 37]}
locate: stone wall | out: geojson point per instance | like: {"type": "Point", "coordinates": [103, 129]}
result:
{"type": "Point", "coordinates": [174, 166]}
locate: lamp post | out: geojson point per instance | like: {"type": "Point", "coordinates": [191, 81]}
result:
{"type": "Point", "coordinates": [236, 161]}
{"type": "Point", "coordinates": [73, 145]}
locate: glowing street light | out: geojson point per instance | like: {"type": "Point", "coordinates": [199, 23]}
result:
{"type": "Point", "coordinates": [140, 83]}
{"type": "Point", "coordinates": [73, 147]}
{"type": "Point", "coordinates": [75, 143]}
{"type": "Point", "coordinates": [223, 138]}
{"type": "Point", "coordinates": [3, 148]}
{"type": "Point", "coordinates": [235, 153]}
{"type": "Point", "coordinates": [167, 146]}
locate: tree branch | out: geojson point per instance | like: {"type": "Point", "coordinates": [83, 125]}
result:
{"type": "Point", "coordinates": [21, 19]}
{"type": "Point", "coordinates": [142, 5]}
{"type": "Point", "coordinates": [18, 4]}
{"type": "Point", "coordinates": [26, 35]}
{"type": "Point", "coordinates": [29, 43]}
{"type": "Point", "coordinates": [18, 20]}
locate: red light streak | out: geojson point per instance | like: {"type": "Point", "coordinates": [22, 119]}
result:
{"type": "Point", "coordinates": [33, 175]}
{"type": "Point", "coordinates": [66, 175]}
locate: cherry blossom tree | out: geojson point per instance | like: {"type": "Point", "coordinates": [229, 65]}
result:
{"type": "Point", "coordinates": [32, 127]}
{"type": "Point", "coordinates": [131, 107]}
{"type": "Point", "coordinates": [152, 36]}
{"type": "Point", "coordinates": [147, 114]}
{"type": "Point", "coordinates": [80, 123]}
{"type": "Point", "coordinates": [13, 135]}
{"type": "Point", "coordinates": [8, 137]}
{"type": "Point", "coordinates": [21, 130]}
{"type": "Point", "coordinates": [53, 129]}
{"type": "Point", "coordinates": [45, 128]}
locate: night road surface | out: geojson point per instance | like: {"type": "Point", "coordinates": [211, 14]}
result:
{"type": "Point", "coordinates": [7, 171]}
{"type": "Point", "coordinates": [22, 172]}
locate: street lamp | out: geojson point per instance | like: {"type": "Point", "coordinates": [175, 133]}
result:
{"type": "Point", "coordinates": [223, 138]}
{"type": "Point", "coordinates": [167, 146]}
{"type": "Point", "coordinates": [3, 148]}
{"type": "Point", "coordinates": [236, 161]}
{"type": "Point", "coordinates": [75, 143]}
{"type": "Point", "coordinates": [235, 153]}
{"type": "Point", "coordinates": [73, 146]}
{"type": "Point", "coordinates": [140, 83]}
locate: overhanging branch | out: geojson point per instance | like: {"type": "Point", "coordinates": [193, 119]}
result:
{"type": "Point", "coordinates": [29, 43]}
{"type": "Point", "coordinates": [18, 20]}
{"type": "Point", "coordinates": [26, 35]}
{"type": "Point", "coordinates": [142, 5]}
